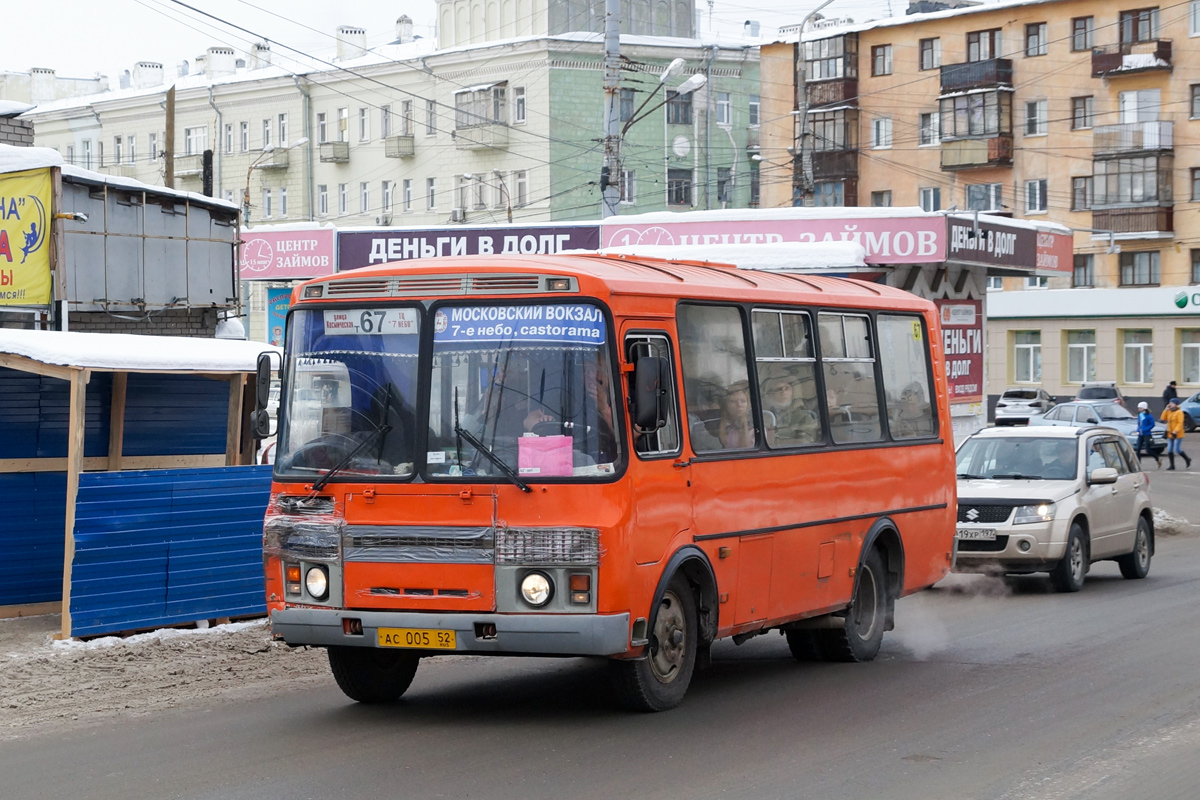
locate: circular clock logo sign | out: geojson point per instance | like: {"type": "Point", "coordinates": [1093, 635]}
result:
{"type": "Point", "coordinates": [257, 255]}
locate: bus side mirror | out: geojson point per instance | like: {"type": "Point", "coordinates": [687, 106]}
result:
{"type": "Point", "coordinates": [260, 420]}
{"type": "Point", "coordinates": [650, 380]}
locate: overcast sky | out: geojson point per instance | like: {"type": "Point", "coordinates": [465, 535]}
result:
{"type": "Point", "coordinates": [80, 38]}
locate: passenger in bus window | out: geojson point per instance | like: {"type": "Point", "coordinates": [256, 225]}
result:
{"type": "Point", "coordinates": [736, 428]}
{"type": "Point", "coordinates": [787, 421]}
{"type": "Point", "coordinates": [597, 382]}
{"type": "Point", "coordinates": [913, 415]}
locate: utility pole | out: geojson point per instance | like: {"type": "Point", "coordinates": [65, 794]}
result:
{"type": "Point", "coordinates": [802, 178]}
{"type": "Point", "coordinates": [610, 173]}
{"type": "Point", "coordinates": [169, 144]}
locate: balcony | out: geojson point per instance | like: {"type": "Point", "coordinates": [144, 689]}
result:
{"type": "Point", "coordinates": [843, 91]}
{"type": "Point", "coordinates": [481, 137]}
{"type": "Point", "coordinates": [1132, 137]}
{"type": "Point", "coordinates": [399, 146]}
{"type": "Point", "coordinates": [188, 166]}
{"type": "Point", "coordinates": [995, 151]}
{"type": "Point", "coordinates": [335, 152]}
{"type": "Point", "coordinates": [276, 159]}
{"type": "Point", "coordinates": [834, 164]}
{"type": "Point", "coordinates": [1131, 58]}
{"type": "Point", "coordinates": [976, 75]}
{"type": "Point", "coordinates": [1152, 220]}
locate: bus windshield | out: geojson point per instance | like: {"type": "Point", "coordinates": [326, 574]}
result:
{"type": "Point", "coordinates": [532, 382]}
{"type": "Point", "coordinates": [351, 379]}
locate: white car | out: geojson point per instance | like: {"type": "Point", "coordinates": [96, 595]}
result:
{"type": "Point", "coordinates": [1017, 406]}
{"type": "Point", "coordinates": [1052, 499]}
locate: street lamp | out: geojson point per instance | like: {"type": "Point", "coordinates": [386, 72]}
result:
{"type": "Point", "coordinates": [471, 176]}
{"type": "Point", "coordinates": [266, 151]}
{"type": "Point", "coordinates": [687, 87]}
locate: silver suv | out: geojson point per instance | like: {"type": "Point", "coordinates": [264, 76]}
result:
{"type": "Point", "coordinates": [1052, 500]}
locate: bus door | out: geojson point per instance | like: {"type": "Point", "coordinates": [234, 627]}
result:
{"type": "Point", "coordinates": [660, 494]}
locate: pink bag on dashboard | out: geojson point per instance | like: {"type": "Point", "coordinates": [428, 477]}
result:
{"type": "Point", "coordinates": [545, 455]}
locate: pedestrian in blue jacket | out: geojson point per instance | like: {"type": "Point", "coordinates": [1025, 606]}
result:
{"type": "Point", "coordinates": [1145, 429]}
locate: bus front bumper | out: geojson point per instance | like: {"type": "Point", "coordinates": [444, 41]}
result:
{"type": "Point", "coordinates": [544, 634]}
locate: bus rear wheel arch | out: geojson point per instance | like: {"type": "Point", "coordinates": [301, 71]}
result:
{"type": "Point", "coordinates": [871, 612]}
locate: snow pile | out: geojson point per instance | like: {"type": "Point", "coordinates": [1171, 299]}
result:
{"type": "Point", "coordinates": [18, 159]}
{"type": "Point", "coordinates": [134, 352]}
{"type": "Point", "coordinates": [10, 108]}
{"type": "Point", "coordinates": [1167, 525]}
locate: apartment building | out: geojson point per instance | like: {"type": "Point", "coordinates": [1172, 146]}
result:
{"type": "Point", "coordinates": [499, 119]}
{"type": "Point", "coordinates": [1082, 113]}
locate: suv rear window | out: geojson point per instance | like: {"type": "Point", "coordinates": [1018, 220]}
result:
{"type": "Point", "coordinates": [1021, 394]}
{"type": "Point", "coordinates": [1097, 393]}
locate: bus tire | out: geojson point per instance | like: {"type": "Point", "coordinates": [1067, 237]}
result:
{"type": "Point", "coordinates": [369, 675]}
{"type": "Point", "coordinates": [867, 617]}
{"type": "Point", "coordinates": [658, 681]}
{"type": "Point", "coordinates": [804, 645]}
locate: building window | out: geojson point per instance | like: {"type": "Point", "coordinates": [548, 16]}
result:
{"type": "Point", "coordinates": [71, 154]}
{"type": "Point", "coordinates": [364, 125]}
{"type": "Point", "coordinates": [995, 283]}
{"type": "Point", "coordinates": [118, 150]}
{"type": "Point", "coordinates": [1131, 180]}
{"type": "Point", "coordinates": [881, 59]}
{"type": "Point", "coordinates": [480, 192]}
{"type": "Point", "coordinates": [881, 199]}
{"type": "Point", "coordinates": [1081, 356]}
{"type": "Point", "coordinates": [1139, 356]}
{"type": "Point", "coordinates": [406, 118]}
{"type": "Point", "coordinates": [1195, 183]}
{"type": "Point", "coordinates": [229, 137]}
{"type": "Point", "coordinates": [931, 53]}
{"type": "Point", "coordinates": [132, 149]}
{"type": "Point", "coordinates": [983, 45]}
{"type": "Point", "coordinates": [931, 198]}
{"type": "Point", "coordinates": [100, 152]}
{"type": "Point", "coordinates": [755, 186]}
{"type": "Point", "coordinates": [626, 108]}
{"type": "Point", "coordinates": [830, 58]}
{"type": "Point", "coordinates": [244, 137]}
{"type": "Point", "coordinates": [1035, 196]}
{"type": "Point", "coordinates": [266, 134]}
{"type": "Point", "coordinates": [518, 105]}
{"type": "Point", "coordinates": [1082, 112]}
{"type": "Point", "coordinates": [501, 190]}
{"type": "Point", "coordinates": [1027, 356]}
{"type": "Point", "coordinates": [406, 195]}
{"type": "Point", "coordinates": [755, 110]}
{"type": "Point", "coordinates": [283, 201]}
{"type": "Point", "coordinates": [1083, 33]}
{"type": "Point", "coordinates": [431, 193]}
{"type": "Point", "coordinates": [322, 200]}
{"type": "Point", "coordinates": [1035, 39]}
{"type": "Point", "coordinates": [322, 129]}
{"type": "Point", "coordinates": [461, 186]}
{"type": "Point", "coordinates": [364, 197]}
{"type": "Point", "coordinates": [1194, 106]}
{"type": "Point", "coordinates": [828, 194]}
{"type": "Point", "coordinates": [980, 114]}
{"type": "Point", "coordinates": [486, 106]}
{"type": "Point", "coordinates": [1140, 25]}
{"type": "Point", "coordinates": [1140, 269]}
{"type": "Point", "coordinates": [521, 187]}
{"type": "Point", "coordinates": [1084, 274]}
{"type": "Point", "coordinates": [343, 199]}
{"type": "Point", "coordinates": [881, 132]}
{"type": "Point", "coordinates": [834, 130]}
{"type": "Point", "coordinates": [430, 117]}
{"type": "Point", "coordinates": [195, 141]}
{"type": "Point", "coordinates": [1035, 118]}
{"type": "Point", "coordinates": [385, 120]}
{"type": "Point", "coordinates": [1189, 345]}
{"type": "Point", "coordinates": [343, 119]}
{"type": "Point", "coordinates": [1195, 266]}
{"type": "Point", "coordinates": [927, 128]}
{"type": "Point", "coordinates": [984, 196]}
{"type": "Point", "coordinates": [724, 184]}
{"type": "Point", "coordinates": [1194, 18]}
{"type": "Point", "coordinates": [628, 186]}
{"type": "Point", "coordinates": [154, 145]}
{"type": "Point", "coordinates": [724, 108]}
{"type": "Point", "coordinates": [679, 187]}
{"type": "Point", "coordinates": [679, 109]}
{"type": "Point", "coordinates": [281, 129]}
{"type": "Point", "coordinates": [266, 203]}
{"type": "Point", "coordinates": [1037, 282]}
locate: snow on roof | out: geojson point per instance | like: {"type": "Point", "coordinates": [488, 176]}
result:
{"type": "Point", "coordinates": [87, 176]}
{"type": "Point", "coordinates": [9, 108]}
{"type": "Point", "coordinates": [906, 19]}
{"type": "Point", "coordinates": [1008, 222]}
{"type": "Point", "coordinates": [1089, 303]}
{"type": "Point", "coordinates": [133, 352]}
{"type": "Point", "coordinates": [771, 256]}
{"type": "Point", "coordinates": [759, 214]}
{"type": "Point", "coordinates": [17, 159]}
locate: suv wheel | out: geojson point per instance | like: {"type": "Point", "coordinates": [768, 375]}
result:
{"type": "Point", "coordinates": [1136, 565]}
{"type": "Point", "coordinates": [1068, 574]}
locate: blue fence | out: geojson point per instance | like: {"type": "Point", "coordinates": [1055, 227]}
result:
{"type": "Point", "coordinates": [32, 536]}
{"type": "Point", "coordinates": [159, 547]}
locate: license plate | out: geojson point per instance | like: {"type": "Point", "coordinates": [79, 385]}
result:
{"type": "Point", "coordinates": [984, 534]}
{"type": "Point", "coordinates": [417, 638]}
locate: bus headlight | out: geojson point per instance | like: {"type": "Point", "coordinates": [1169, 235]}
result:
{"type": "Point", "coordinates": [1041, 512]}
{"type": "Point", "coordinates": [317, 583]}
{"type": "Point", "coordinates": [537, 589]}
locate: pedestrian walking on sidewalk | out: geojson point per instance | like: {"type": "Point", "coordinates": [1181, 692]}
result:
{"type": "Point", "coordinates": [1145, 430]}
{"type": "Point", "coordinates": [1169, 394]}
{"type": "Point", "coordinates": [1173, 416]}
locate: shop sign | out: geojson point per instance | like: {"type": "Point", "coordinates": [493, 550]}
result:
{"type": "Point", "coordinates": [25, 238]}
{"type": "Point", "coordinates": [995, 244]}
{"type": "Point", "coordinates": [962, 343]}
{"type": "Point", "coordinates": [364, 248]}
{"type": "Point", "coordinates": [278, 301]}
{"type": "Point", "coordinates": [286, 255]}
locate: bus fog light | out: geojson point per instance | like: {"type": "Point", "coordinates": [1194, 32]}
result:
{"type": "Point", "coordinates": [317, 583]}
{"type": "Point", "coordinates": [536, 589]}
{"type": "Point", "coordinates": [1024, 545]}
{"type": "Point", "coordinates": [581, 598]}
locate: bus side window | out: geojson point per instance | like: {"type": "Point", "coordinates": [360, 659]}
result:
{"type": "Point", "coordinates": [904, 361]}
{"type": "Point", "coordinates": [716, 378]}
{"type": "Point", "coordinates": [664, 441]}
{"type": "Point", "coordinates": [848, 364]}
{"type": "Point", "coordinates": [787, 378]}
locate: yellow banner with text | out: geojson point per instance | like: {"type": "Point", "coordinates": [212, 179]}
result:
{"type": "Point", "coordinates": [25, 238]}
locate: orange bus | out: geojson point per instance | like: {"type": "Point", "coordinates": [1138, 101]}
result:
{"type": "Point", "coordinates": [605, 456]}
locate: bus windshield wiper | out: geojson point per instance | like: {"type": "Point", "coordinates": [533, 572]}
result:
{"type": "Point", "coordinates": [320, 482]}
{"type": "Point", "coordinates": [509, 472]}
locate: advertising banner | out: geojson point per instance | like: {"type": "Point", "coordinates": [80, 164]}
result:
{"type": "Point", "coordinates": [962, 341]}
{"type": "Point", "coordinates": [286, 255]}
{"type": "Point", "coordinates": [25, 238]}
{"type": "Point", "coordinates": [278, 301]}
{"type": "Point", "coordinates": [364, 248]}
{"type": "Point", "coordinates": [568, 324]}
{"type": "Point", "coordinates": [1009, 246]}
{"type": "Point", "coordinates": [887, 240]}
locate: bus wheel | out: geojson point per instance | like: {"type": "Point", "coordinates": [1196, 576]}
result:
{"type": "Point", "coordinates": [804, 645]}
{"type": "Point", "coordinates": [659, 681]}
{"type": "Point", "coordinates": [867, 618]}
{"type": "Point", "coordinates": [368, 675]}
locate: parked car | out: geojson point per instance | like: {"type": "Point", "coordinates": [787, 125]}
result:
{"type": "Point", "coordinates": [1016, 406]}
{"type": "Point", "coordinates": [1084, 413]}
{"type": "Point", "coordinates": [1052, 499]}
{"type": "Point", "coordinates": [1100, 392]}
{"type": "Point", "coordinates": [1191, 412]}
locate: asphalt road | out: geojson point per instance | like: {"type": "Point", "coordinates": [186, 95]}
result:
{"type": "Point", "coordinates": [983, 691]}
